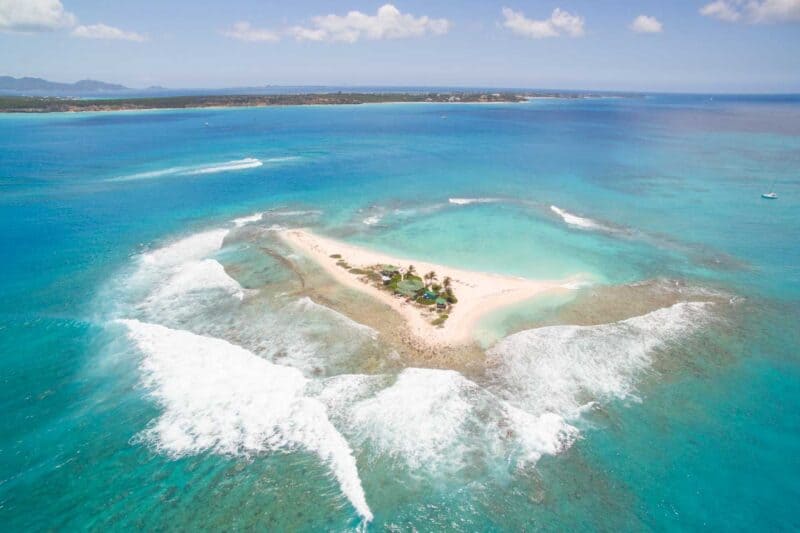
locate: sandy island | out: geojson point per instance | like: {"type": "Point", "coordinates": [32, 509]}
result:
{"type": "Point", "coordinates": [478, 293]}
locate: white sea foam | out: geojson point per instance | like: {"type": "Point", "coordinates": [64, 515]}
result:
{"type": "Point", "coordinates": [559, 369]}
{"type": "Point", "coordinates": [313, 338]}
{"type": "Point", "coordinates": [243, 221]}
{"type": "Point", "coordinates": [219, 397]}
{"type": "Point", "coordinates": [372, 220]}
{"type": "Point", "coordinates": [468, 201]}
{"type": "Point", "coordinates": [549, 376]}
{"type": "Point", "coordinates": [419, 418]}
{"type": "Point", "coordinates": [575, 220]}
{"type": "Point", "coordinates": [178, 281]}
{"type": "Point", "coordinates": [196, 246]}
{"type": "Point", "coordinates": [537, 435]}
{"type": "Point", "coordinates": [191, 170]}
{"type": "Point", "coordinates": [193, 276]}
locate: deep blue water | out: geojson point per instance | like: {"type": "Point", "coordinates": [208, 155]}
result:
{"type": "Point", "coordinates": [705, 435]}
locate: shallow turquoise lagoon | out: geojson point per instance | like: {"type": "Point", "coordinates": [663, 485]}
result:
{"type": "Point", "coordinates": [160, 370]}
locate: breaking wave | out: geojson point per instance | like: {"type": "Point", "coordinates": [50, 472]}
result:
{"type": "Point", "coordinates": [578, 222]}
{"type": "Point", "coordinates": [418, 418]}
{"type": "Point", "coordinates": [243, 221]}
{"type": "Point", "coordinates": [562, 369]}
{"type": "Point", "coordinates": [219, 397]}
{"type": "Point", "coordinates": [234, 376]}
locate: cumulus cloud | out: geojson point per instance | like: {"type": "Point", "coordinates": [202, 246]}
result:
{"type": "Point", "coordinates": [104, 31]}
{"type": "Point", "coordinates": [646, 24]}
{"type": "Point", "coordinates": [753, 11]}
{"type": "Point", "coordinates": [560, 23]}
{"type": "Point", "coordinates": [243, 31]}
{"type": "Point", "coordinates": [387, 23]}
{"type": "Point", "coordinates": [34, 15]}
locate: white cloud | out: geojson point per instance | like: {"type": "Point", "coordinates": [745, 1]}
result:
{"type": "Point", "coordinates": [243, 31]}
{"type": "Point", "coordinates": [34, 15]}
{"type": "Point", "coordinates": [775, 11]}
{"type": "Point", "coordinates": [646, 24]}
{"type": "Point", "coordinates": [753, 11]}
{"type": "Point", "coordinates": [387, 23]}
{"type": "Point", "coordinates": [104, 31]}
{"type": "Point", "coordinates": [722, 10]}
{"type": "Point", "coordinates": [559, 23]}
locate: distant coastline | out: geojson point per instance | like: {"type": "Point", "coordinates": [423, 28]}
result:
{"type": "Point", "coordinates": [51, 104]}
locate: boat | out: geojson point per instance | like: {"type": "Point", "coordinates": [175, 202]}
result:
{"type": "Point", "coordinates": [770, 196]}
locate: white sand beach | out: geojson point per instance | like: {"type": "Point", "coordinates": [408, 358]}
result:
{"type": "Point", "coordinates": [478, 293]}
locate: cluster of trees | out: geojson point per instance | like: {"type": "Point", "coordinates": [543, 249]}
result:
{"type": "Point", "coordinates": [445, 289]}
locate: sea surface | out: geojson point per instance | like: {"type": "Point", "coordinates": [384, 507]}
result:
{"type": "Point", "coordinates": [163, 365]}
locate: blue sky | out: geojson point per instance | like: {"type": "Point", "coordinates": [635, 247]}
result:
{"type": "Point", "coordinates": [677, 45]}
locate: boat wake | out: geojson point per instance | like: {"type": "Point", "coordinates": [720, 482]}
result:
{"type": "Point", "coordinates": [194, 170]}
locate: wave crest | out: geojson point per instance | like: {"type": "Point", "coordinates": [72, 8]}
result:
{"type": "Point", "coordinates": [220, 397]}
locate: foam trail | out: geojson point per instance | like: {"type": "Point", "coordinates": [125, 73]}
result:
{"type": "Point", "coordinates": [240, 164]}
{"type": "Point", "coordinates": [220, 397]}
{"type": "Point", "coordinates": [212, 168]}
{"type": "Point", "coordinates": [372, 220]}
{"type": "Point", "coordinates": [468, 201]}
{"type": "Point", "coordinates": [284, 159]}
{"type": "Point", "coordinates": [574, 220]}
{"type": "Point", "coordinates": [243, 221]}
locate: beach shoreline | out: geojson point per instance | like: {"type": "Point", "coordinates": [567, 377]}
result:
{"type": "Point", "coordinates": [479, 293]}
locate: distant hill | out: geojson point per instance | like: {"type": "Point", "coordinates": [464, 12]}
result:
{"type": "Point", "coordinates": [38, 86]}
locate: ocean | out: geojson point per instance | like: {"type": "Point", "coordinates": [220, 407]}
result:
{"type": "Point", "coordinates": [165, 367]}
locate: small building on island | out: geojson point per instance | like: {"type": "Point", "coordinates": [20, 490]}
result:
{"type": "Point", "coordinates": [441, 303]}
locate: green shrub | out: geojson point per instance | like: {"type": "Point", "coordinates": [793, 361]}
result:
{"type": "Point", "coordinates": [336, 256]}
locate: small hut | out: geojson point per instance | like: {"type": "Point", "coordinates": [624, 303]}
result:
{"type": "Point", "coordinates": [441, 303]}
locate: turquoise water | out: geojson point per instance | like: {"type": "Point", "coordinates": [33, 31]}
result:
{"type": "Point", "coordinates": [665, 396]}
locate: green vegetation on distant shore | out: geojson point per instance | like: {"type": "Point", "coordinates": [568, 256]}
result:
{"type": "Point", "coordinates": [36, 104]}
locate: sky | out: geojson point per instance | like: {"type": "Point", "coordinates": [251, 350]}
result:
{"type": "Point", "coordinates": [627, 45]}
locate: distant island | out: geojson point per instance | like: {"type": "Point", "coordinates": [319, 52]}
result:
{"type": "Point", "coordinates": [50, 104]}
{"type": "Point", "coordinates": [28, 85]}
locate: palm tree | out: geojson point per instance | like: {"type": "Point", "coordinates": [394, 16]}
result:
{"type": "Point", "coordinates": [410, 270]}
{"type": "Point", "coordinates": [430, 276]}
{"type": "Point", "coordinates": [446, 282]}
